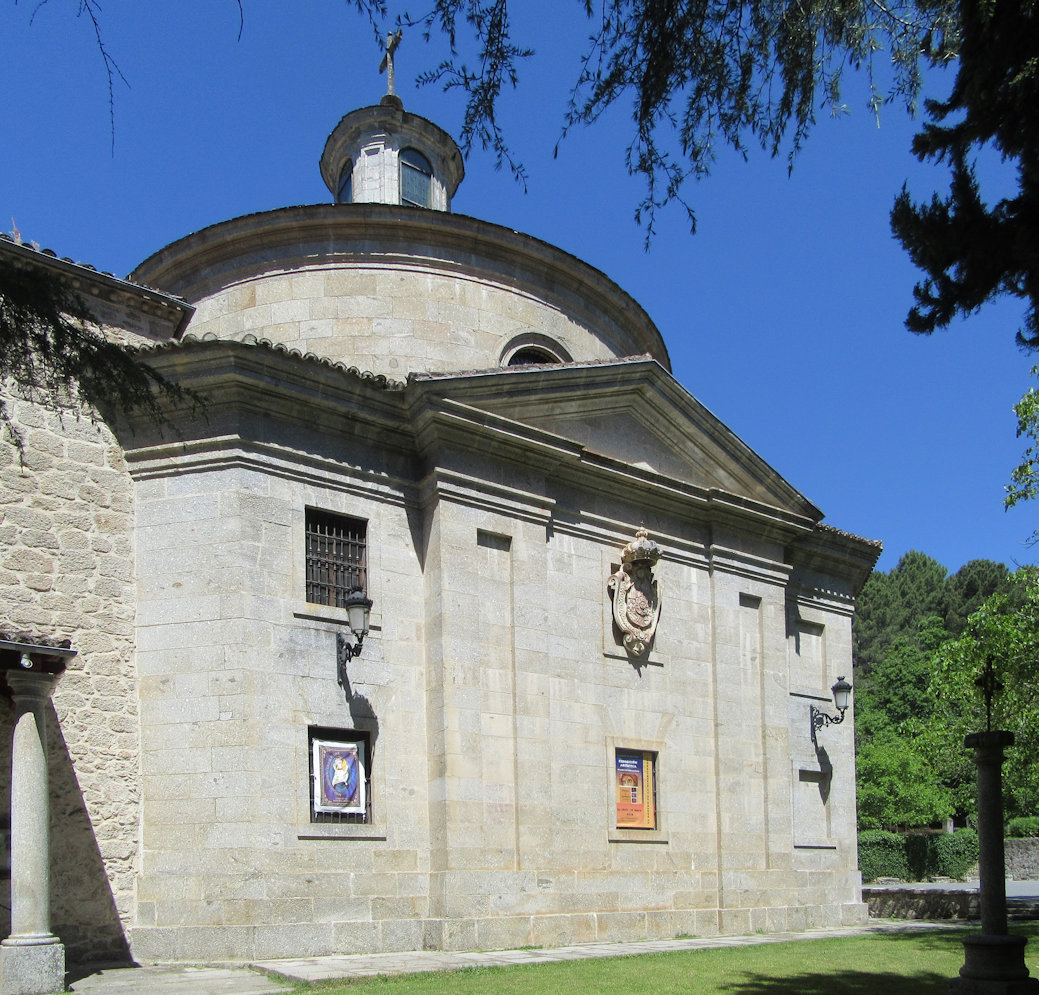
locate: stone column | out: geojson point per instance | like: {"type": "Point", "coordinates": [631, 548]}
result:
{"type": "Point", "coordinates": [32, 959]}
{"type": "Point", "coordinates": [994, 962]}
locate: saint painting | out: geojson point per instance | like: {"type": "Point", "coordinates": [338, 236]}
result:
{"type": "Point", "coordinates": [339, 776]}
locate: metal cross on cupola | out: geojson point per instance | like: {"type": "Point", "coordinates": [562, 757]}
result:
{"type": "Point", "coordinates": [392, 41]}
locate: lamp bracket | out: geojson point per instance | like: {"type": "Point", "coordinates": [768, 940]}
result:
{"type": "Point", "coordinates": [821, 718]}
{"type": "Point", "coordinates": [345, 652]}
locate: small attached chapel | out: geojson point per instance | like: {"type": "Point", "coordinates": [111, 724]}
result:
{"type": "Point", "coordinates": [449, 620]}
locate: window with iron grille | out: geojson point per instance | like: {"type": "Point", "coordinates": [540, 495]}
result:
{"type": "Point", "coordinates": [337, 557]}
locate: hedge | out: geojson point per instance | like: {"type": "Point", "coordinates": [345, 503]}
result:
{"type": "Point", "coordinates": [882, 855]}
{"type": "Point", "coordinates": [916, 857]}
{"type": "Point", "coordinates": [951, 855]}
{"type": "Point", "coordinates": [1025, 827]}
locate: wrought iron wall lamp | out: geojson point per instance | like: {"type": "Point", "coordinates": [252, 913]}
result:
{"type": "Point", "coordinates": [841, 698]}
{"type": "Point", "coordinates": [358, 612]}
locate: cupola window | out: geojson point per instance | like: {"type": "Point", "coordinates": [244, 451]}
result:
{"type": "Point", "coordinates": [345, 190]}
{"type": "Point", "coordinates": [416, 179]}
{"type": "Point", "coordinates": [533, 349]}
{"type": "Point", "coordinates": [530, 355]}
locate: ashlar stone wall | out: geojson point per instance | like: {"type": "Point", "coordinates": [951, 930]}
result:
{"type": "Point", "coordinates": [394, 321]}
{"type": "Point", "coordinates": [66, 556]}
{"type": "Point", "coordinates": [495, 694]}
{"type": "Point", "coordinates": [237, 669]}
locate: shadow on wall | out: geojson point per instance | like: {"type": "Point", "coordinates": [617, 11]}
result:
{"type": "Point", "coordinates": [363, 717]}
{"type": "Point", "coordinates": [6, 729]}
{"type": "Point", "coordinates": [83, 910]}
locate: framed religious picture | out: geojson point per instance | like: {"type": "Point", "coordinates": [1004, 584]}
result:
{"type": "Point", "coordinates": [635, 772]}
{"type": "Point", "coordinates": [339, 767]}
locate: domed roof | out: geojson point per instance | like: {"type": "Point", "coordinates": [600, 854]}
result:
{"type": "Point", "coordinates": [384, 155]}
{"type": "Point", "coordinates": [388, 279]}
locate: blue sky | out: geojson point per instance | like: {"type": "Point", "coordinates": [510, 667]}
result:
{"type": "Point", "coordinates": [783, 314]}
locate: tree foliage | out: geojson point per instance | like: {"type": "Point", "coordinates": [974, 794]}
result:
{"type": "Point", "coordinates": [907, 774]}
{"type": "Point", "coordinates": [52, 351]}
{"type": "Point", "coordinates": [697, 75]}
{"type": "Point", "coordinates": [897, 788]}
{"type": "Point", "coordinates": [1004, 629]}
{"type": "Point", "coordinates": [972, 252]}
{"type": "Point", "coordinates": [893, 604]}
{"type": "Point", "coordinates": [1024, 480]}
{"type": "Point", "coordinates": [969, 587]}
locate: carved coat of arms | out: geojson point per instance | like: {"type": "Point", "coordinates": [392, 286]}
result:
{"type": "Point", "coordinates": [636, 593]}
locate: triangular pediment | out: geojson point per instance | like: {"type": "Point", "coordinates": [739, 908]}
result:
{"type": "Point", "coordinates": [633, 412]}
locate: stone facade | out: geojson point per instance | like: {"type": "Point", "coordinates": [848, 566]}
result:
{"type": "Point", "coordinates": [66, 567]}
{"type": "Point", "coordinates": [355, 361]}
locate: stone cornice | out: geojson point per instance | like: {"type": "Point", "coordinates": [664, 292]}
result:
{"type": "Point", "coordinates": [443, 425]}
{"type": "Point", "coordinates": [640, 388]}
{"type": "Point", "coordinates": [255, 391]}
{"type": "Point", "coordinates": [438, 444]}
{"type": "Point", "coordinates": [291, 239]}
{"type": "Point", "coordinates": [101, 287]}
{"type": "Point", "coordinates": [827, 551]}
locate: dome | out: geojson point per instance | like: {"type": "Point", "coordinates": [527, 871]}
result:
{"type": "Point", "coordinates": [387, 279]}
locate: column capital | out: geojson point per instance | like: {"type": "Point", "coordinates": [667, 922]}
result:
{"type": "Point", "coordinates": [31, 685]}
{"type": "Point", "coordinates": [989, 746]}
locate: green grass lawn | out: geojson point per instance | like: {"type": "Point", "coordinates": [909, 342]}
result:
{"type": "Point", "coordinates": [911, 963]}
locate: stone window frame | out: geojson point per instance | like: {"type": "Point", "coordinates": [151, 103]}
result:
{"type": "Point", "coordinates": [310, 611]}
{"type": "Point", "coordinates": [335, 733]}
{"type": "Point", "coordinates": [414, 164]}
{"type": "Point", "coordinates": [345, 531]}
{"type": "Point", "coordinates": [531, 342]}
{"type": "Point", "coordinates": [346, 181]}
{"type": "Point", "coordinates": [374, 829]}
{"type": "Point", "coordinates": [632, 743]}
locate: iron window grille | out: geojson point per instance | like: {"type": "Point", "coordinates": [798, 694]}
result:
{"type": "Point", "coordinates": [337, 557]}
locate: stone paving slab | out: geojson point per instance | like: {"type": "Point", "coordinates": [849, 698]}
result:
{"type": "Point", "coordinates": [171, 980]}
{"type": "Point", "coordinates": [245, 980]}
{"type": "Point", "coordinates": [414, 962]}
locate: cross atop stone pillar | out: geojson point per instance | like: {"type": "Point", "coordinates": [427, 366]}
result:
{"type": "Point", "coordinates": [994, 961]}
{"type": "Point", "coordinates": [32, 959]}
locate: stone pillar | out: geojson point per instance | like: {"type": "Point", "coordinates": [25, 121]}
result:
{"type": "Point", "coordinates": [994, 962]}
{"type": "Point", "coordinates": [32, 959]}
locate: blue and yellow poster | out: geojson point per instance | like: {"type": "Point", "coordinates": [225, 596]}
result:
{"type": "Point", "coordinates": [635, 790]}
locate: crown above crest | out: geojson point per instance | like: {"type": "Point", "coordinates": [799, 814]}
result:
{"type": "Point", "coordinates": [641, 549]}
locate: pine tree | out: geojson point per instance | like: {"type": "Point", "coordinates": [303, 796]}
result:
{"type": "Point", "coordinates": [972, 252]}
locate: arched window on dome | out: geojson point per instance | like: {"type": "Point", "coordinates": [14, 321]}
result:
{"type": "Point", "coordinates": [416, 179]}
{"type": "Point", "coordinates": [345, 189]}
{"type": "Point", "coordinates": [529, 355]}
{"type": "Point", "coordinates": [533, 349]}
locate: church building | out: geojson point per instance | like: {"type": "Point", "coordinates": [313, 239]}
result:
{"type": "Point", "coordinates": [447, 619]}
